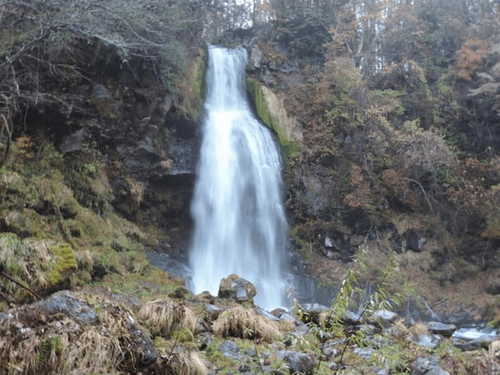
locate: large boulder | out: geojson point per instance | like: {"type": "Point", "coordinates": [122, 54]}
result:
{"type": "Point", "coordinates": [237, 288]}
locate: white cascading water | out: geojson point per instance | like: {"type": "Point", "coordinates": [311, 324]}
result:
{"type": "Point", "coordinates": [240, 224]}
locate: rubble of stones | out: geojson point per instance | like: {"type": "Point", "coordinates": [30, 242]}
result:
{"type": "Point", "coordinates": [68, 312]}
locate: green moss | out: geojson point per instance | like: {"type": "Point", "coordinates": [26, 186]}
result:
{"type": "Point", "coordinates": [183, 335]}
{"type": "Point", "coordinates": [64, 263]}
{"type": "Point", "coordinates": [149, 284]}
{"type": "Point", "coordinates": [290, 148]}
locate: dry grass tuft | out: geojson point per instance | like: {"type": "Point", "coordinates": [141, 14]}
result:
{"type": "Point", "coordinates": [185, 364]}
{"type": "Point", "coordinates": [246, 324]}
{"type": "Point", "coordinates": [419, 329]}
{"type": "Point", "coordinates": [163, 317]}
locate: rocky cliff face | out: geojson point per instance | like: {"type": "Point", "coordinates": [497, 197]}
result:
{"type": "Point", "coordinates": [362, 179]}
{"type": "Point", "coordinates": [99, 147]}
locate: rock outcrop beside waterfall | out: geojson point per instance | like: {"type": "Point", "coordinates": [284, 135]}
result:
{"type": "Point", "coordinates": [353, 185]}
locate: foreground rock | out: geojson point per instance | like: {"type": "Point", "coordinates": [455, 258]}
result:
{"type": "Point", "coordinates": [64, 333]}
{"type": "Point", "coordinates": [427, 366]}
{"type": "Point", "coordinates": [237, 288]}
{"type": "Point", "coordinates": [298, 362]}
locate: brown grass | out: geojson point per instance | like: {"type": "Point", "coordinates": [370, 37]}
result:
{"type": "Point", "coordinates": [185, 363]}
{"type": "Point", "coordinates": [163, 317]}
{"type": "Point", "coordinates": [246, 324]}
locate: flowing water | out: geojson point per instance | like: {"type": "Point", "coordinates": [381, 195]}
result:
{"type": "Point", "coordinates": [240, 224]}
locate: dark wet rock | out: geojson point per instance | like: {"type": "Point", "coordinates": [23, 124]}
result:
{"type": "Point", "coordinates": [441, 328]}
{"type": "Point", "coordinates": [415, 240]}
{"type": "Point", "coordinates": [105, 104]}
{"type": "Point", "coordinates": [183, 154]}
{"type": "Point", "coordinates": [73, 142]}
{"type": "Point", "coordinates": [230, 350]}
{"type": "Point", "coordinates": [427, 366]}
{"type": "Point", "coordinates": [237, 288]}
{"type": "Point", "coordinates": [64, 303]}
{"type": "Point", "coordinates": [298, 362]}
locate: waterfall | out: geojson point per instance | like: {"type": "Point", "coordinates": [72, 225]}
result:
{"type": "Point", "coordinates": [239, 221]}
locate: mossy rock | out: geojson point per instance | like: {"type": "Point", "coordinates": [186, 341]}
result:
{"type": "Point", "coordinates": [270, 110]}
{"type": "Point", "coordinates": [63, 265]}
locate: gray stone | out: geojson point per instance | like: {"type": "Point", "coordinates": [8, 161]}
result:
{"type": "Point", "coordinates": [230, 350]}
{"type": "Point", "coordinates": [5, 316]}
{"type": "Point", "coordinates": [256, 57]}
{"type": "Point", "coordinates": [266, 314]}
{"type": "Point", "coordinates": [351, 317]}
{"type": "Point", "coordinates": [427, 366]}
{"type": "Point", "coordinates": [384, 316]}
{"type": "Point", "coordinates": [289, 318]}
{"type": "Point", "coordinates": [213, 311]}
{"type": "Point", "coordinates": [237, 288]}
{"type": "Point", "coordinates": [301, 330]}
{"type": "Point", "coordinates": [64, 303]}
{"type": "Point", "coordinates": [470, 334]}
{"type": "Point", "coordinates": [298, 362]}
{"type": "Point", "coordinates": [428, 341]}
{"type": "Point", "coordinates": [330, 349]}
{"type": "Point", "coordinates": [441, 328]}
